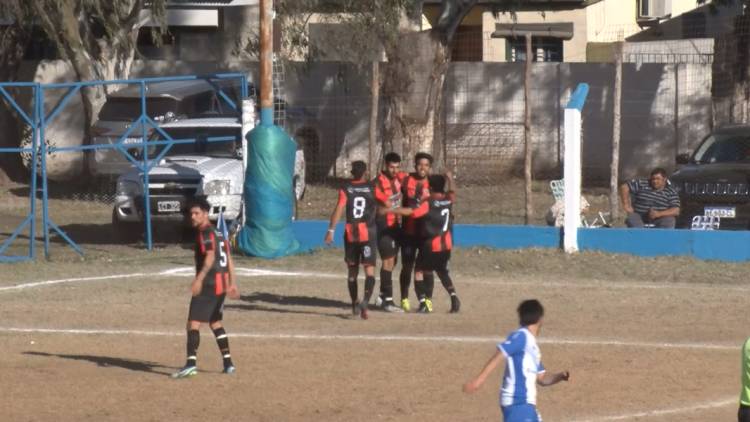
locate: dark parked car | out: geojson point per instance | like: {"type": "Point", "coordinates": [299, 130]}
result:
{"type": "Point", "coordinates": [715, 179]}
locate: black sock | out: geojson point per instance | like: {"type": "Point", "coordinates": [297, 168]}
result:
{"type": "Point", "coordinates": [386, 284]}
{"type": "Point", "coordinates": [222, 340]}
{"type": "Point", "coordinates": [193, 341]}
{"type": "Point", "coordinates": [352, 284]}
{"type": "Point", "coordinates": [429, 285]}
{"type": "Point", "coordinates": [369, 287]}
{"type": "Point", "coordinates": [419, 289]}
{"type": "Point", "coordinates": [445, 278]}
{"type": "Point", "coordinates": [405, 280]}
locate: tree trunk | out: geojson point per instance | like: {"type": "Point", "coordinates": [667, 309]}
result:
{"type": "Point", "coordinates": [413, 87]}
{"type": "Point", "coordinates": [13, 42]}
{"type": "Point", "coordinates": [528, 147]}
{"type": "Point", "coordinates": [614, 174]}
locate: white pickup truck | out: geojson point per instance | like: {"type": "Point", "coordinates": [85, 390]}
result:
{"type": "Point", "coordinates": [211, 169]}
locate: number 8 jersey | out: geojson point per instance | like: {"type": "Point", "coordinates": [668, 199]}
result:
{"type": "Point", "coordinates": [361, 210]}
{"type": "Point", "coordinates": [212, 241]}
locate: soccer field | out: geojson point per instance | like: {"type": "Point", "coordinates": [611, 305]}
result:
{"type": "Point", "coordinates": [644, 340]}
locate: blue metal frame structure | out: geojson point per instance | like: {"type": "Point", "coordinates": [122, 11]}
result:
{"type": "Point", "coordinates": [144, 121]}
{"type": "Point", "coordinates": [33, 122]}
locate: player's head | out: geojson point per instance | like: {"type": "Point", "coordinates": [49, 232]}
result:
{"type": "Point", "coordinates": [422, 164]}
{"type": "Point", "coordinates": [392, 164]}
{"type": "Point", "coordinates": [437, 183]}
{"type": "Point", "coordinates": [198, 208]}
{"type": "Point", "coordinates": [530, 312]}
{"type": "Point", "coordinates": [359, 168]}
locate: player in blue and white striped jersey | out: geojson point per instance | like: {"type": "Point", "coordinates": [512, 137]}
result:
{"type": "Point", "coordinates": [523, 367]}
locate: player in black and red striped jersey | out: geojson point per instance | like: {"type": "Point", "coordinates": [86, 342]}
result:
{"type": "Point", "coordinates": [357, 199]}
{"type": "Point", "coordinates": [388, 193]}
{"type": "Point", "coordinates": [214, 280]}
{"type": "Point", "coordinates": [436, 228]}
{"type": "Point", "coordinates": [415, 188]}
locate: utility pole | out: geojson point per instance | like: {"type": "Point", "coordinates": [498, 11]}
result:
{"type": "Point", "coordinates": [614, 170]}
{"type": "Point", "coordinates": [374, 105]}
{"type": "Point", "coordinates": [266, 62]}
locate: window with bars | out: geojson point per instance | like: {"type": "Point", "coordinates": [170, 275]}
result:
{"type": "Point", "coordinates": [544, 49]}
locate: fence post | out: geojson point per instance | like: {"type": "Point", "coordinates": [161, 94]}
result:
{"type": "Point", "coordinates": [374, 104]}
{"type": "Point", "coordinates": [614, 170]}
{"type": "Point", "coordinates": [572, 168]}
{"type": "Point", "coordinates": [528, 148]}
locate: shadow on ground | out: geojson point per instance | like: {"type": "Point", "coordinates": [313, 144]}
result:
{"type": "Point", "coordinates": [257, 302]}
{"type": "Point", "coordinates": [107, 361]}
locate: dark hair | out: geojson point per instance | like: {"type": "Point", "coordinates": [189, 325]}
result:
{"type": "Point", "coordinates": [530, 312]}
{"type": "Point", "coordinates": [392, 157]}
{"type": "Point", "coordinates": [358, 169]}
{"type": "Point", "coordinates": [660, 171]}
{"type": "Point", "coordinates": [422, 156]}
{"type": "Point", "coordinates": [437, 183]}
{"type": "Point", "coordinates": [199, 202]}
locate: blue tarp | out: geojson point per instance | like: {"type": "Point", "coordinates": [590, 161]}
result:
{"type": "Point", "coordinates": [269, 195]}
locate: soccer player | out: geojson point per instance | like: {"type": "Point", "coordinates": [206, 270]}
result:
{"type": "Point", "coordinates": [388, 194]}
{"type": "Point", "coordinates": [214, 280]}
{"type": "Point", "coordinates": [436, 230]}
{"type": "Point", "coordinates": [523, 367]}
{"type": "Point", "coordinates": [743, 414]}
{"type": "Point", "coordinates": [357, 198]}
{"type": "Point", "coordinates": [414, 188]}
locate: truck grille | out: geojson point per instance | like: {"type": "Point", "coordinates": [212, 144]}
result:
{"type": "Point", "coordinates": [182, 187]}
{"type": "Point", "coordinates": [716, 189]}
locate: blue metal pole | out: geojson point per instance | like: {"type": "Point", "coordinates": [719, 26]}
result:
{"type": "Point", "coordinates": [45, 199]}
{"type": "Point", "coordinates": [34, 157]}
{"type": "Point", "coordinates": [145, 169]}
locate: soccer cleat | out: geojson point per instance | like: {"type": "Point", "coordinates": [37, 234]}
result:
{"type": "Point", "coordinates": [425, 307]}
{"type": "Point", "coordinates": [229, 370]}
{"type": "Point", "coordinates": [405, 305]}
{"type": "Point", "coordinates": [391, 307]}
{"type": "Point", "coordinates": [355, 308]}
{"type": "Point", "coordinates": [186, 372]}
{"type": "Point", "coordinates": [455, 304]}
{"type": "Point", "coordinates": [379, 301]}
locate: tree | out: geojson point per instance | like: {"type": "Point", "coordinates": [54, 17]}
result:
{"type": "Point", "coordinates": [417, 60]}
{"type": "Point", "coordinates": [97, 37]}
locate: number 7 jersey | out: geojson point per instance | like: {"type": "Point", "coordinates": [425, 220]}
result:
{"type": "Point", "coordinates": [361, 210]}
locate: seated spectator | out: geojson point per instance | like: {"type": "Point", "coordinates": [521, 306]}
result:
{"type": "Point", "coordinates": [654, 201]}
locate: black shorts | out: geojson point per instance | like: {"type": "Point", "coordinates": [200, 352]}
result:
{"type": "Point", "coordinates": [361, 253]}
{"type": "Point", "coordinates": [206, 308]}
{"type": "Point", "coordinates": [743, 414]}
{"type": "Point", "coordinates": [427, 260]}
{"type": "Point", "coordinates": [388, 242]}
{"type": "Point", "coordinates": [409, 247]}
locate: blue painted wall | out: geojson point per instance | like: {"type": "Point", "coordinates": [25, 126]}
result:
{"type": "Point", "coordinates": [310, 234]}
{"type": "Point", "coordinates": [731, 246]}
{"type": "Point", "coordinates": [702, 244]}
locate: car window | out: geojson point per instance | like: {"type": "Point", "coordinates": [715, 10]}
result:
{"type": "Point", "coordinates": [207, 142]}
{"type": "Point", "coordinates": [119, 109]}
{"type": "Point", "coordinates": [724, 148]}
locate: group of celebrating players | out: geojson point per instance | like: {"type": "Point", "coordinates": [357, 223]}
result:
{"type": "Point", "coordinates": [412, 212]}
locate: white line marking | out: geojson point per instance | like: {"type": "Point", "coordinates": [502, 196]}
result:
{"type": "Point", "coordinates": [663, 412]}
{"type": "Point", "coordinates": [303, 275]}
{"type": "Point", "coordinates": [380, 337]}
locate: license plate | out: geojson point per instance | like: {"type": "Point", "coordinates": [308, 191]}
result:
{"type": "Point", "coordinates": [168, 206]}
{"type": "Point", "coordinates": [721, 212]}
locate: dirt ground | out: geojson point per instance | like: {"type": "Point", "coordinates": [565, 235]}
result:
{"type": "Point", "coordinates": [644, 339]}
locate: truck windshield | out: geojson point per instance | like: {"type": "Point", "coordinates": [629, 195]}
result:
{"type": "Point", "coordinates": [724, 148]}
{"type": "Point", "coordinates": [207, 142]}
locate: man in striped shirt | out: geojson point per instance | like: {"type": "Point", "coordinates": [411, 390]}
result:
{"type": "Point", "coordinates": [652, 201]}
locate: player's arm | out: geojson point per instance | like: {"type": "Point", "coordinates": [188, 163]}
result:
{"type": "Point", "coordinates": [545, 380]}
{"type": "Point", "coordinates": [208, 263]}
{"type": "Point", "coordinates": [383, 199]}
{"type": "Point", "coordinates": [338, 211]}
{"type": "Point", "coordinates": [418, 212]}
{"type": "Point", "coordinates": [233, 291]}
{"type": "Point", "coordinates": [490, 366]}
